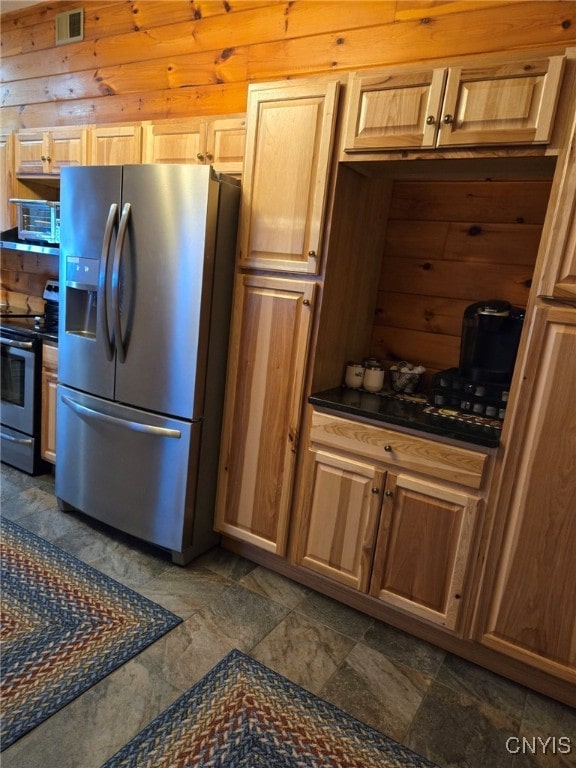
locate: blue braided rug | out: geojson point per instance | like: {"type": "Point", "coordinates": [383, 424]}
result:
{"type": "Point", "coordinates": [64, 627]}
{"type": "Point", "coordinates": [244, 715]}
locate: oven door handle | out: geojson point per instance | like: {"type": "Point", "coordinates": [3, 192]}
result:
{"type": "Point", "coordinates": [102, 309]}
{"type": "Point", "coordinates": [135, 426]}
{"type": "Point", "coordinates": [16, 344]}
{"type": "Point", "coordinates": [17, 440]}
{"type": "Point", "coordinates": [120, 351]}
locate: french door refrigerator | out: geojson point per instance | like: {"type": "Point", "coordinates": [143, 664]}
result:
{"type": "Point", "coordinates": [146, 272]}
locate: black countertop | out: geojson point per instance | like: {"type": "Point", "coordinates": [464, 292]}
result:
{"type": "Point", "coordinates": [409, 411]}
{"type": "Point", "coordinates": [26, 325]}
{"type": "Point", "coordinates": [9, 239]}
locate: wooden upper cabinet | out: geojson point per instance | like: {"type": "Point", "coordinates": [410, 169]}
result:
{"type": "Point", "coordinates": [558, 243]}
{"type": "Point", "coordinates": [510, 103]}
{"type": "Point", "coordinates": [531, 606]}
{"type": "Point", "coordinates": [284, 188]}
{"type": "Point", "coordinates": [7, 211]}
{"type": "Point", "coordinates": [41, 152]}
{"type": "Point", "coordinates": [219, 142]}
{"type": "Point", "coordinates": [115, 145]}
{"type": "Point", "coordinates": [269, 346]}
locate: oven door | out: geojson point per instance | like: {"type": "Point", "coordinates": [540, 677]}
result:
{"type": "Point", "coordinates": [17, 384]}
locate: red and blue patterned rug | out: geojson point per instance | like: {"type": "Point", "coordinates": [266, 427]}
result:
{"type": "Point", "coordinates": [244, 715]}
{"type": "Point", "coordinates": [64, 626]}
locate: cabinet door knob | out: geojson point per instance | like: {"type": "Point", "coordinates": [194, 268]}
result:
{"type": "Point", "coordinates": [375, 490]}
{"type": "Point", "coordinates": [209, 157]}
{"type": "Point", "coordinates": [387, 448]}
{"type": "Point", "coordinates": [389, 494]}
{"type": "Point", "coordinates": [43, 158]}
{"type": "Point", "coordinates": [448, 119]}
{"type": "Point", "coordinates": [306, 302]}
{"type": "Point", "coordinates": [430, 120]}
{"type": "Point", "coordinates": [200, 157]}
{"type": "Point", "coordinates": [312, 254]}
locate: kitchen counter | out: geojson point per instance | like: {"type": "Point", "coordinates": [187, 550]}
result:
{"type": "Point", "coordinates": [411, 411]}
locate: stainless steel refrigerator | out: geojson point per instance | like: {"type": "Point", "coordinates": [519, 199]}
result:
{"type": "Point", "coordinates": [146, 273]}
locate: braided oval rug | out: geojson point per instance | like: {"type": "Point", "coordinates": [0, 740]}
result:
{"type": "Point", "coordinates": [244, 715]}
{"type": "Point", "coordinates": [64, 627]}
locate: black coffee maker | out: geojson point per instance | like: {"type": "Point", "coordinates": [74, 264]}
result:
{"type": "Point", "coordinates": [479, 386]}
{"type": "Point", "coordinates": [490, 337]}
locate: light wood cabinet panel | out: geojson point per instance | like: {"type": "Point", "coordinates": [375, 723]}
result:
{"type": "Point", "coordinates": [49, 384]}
{"type": "Point", "coordinates": [338, 529]}
{"type": "Point", "coordinates": [510, 103]}
{"type": "Point", "coordinates": [7, 211]}
{"type": "Point", "coordinates": [532, 608]}
{"type": "Point", "coordinates": [219, 142]}
{"type": "Point", "coordinates": [558, 244]}
{"type": "Point", "coordinates": [288, 148]}
{"type": "Point", "coordinates": [41, 152]}
{"type": "Point", "coordinates": [115, 145]}
{"type": "Point", "coordinates": [423, 548]}
{"type": "Point", "coordinates": [398, 449]}
{"type": "Point", "coordinates": [269, 343]}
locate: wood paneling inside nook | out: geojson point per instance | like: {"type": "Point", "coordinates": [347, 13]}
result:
{"type": "Point", "coordinates": [449, 244]}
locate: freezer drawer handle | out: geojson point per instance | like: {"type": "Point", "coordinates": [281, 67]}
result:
{"type": "Point", "coordinates": [17, 440]}
{"type": "Point", "coordinates": [102, 309]}
{"type": "Point", "coordinates": [120, 351]}
{"type": "Point", "coordinates": [148, 429]}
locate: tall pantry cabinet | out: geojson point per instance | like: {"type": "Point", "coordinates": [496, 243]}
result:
{"type": "Point", "coordinates": [529, 612]}
{"type": "Point", "coordinates": [285, 180]}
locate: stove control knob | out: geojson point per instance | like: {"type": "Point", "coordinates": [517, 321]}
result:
{"type": "Point", "coordinates": [37, 322]}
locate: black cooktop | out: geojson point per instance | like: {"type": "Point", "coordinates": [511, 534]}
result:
{"type": "Point", "coordinates": [27, 325]}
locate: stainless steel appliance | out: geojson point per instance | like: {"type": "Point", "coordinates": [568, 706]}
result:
{"type": "Point", "coordinates": [21, 396]}
{"type": "Point", "coordinates": [146, 272]}
{"type": "Point", "coordinates": [38, 220]}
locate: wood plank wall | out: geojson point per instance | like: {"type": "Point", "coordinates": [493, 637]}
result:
{"type": "Point", "coordinates": [152, 59]}
{"type": "Point", "coordinates": [450, 244]}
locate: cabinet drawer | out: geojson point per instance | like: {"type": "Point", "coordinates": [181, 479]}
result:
{"type": "Point", "coordinates": [448, 462]}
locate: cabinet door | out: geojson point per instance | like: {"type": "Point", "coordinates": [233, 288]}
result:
{"type": "Point", "coordinates": [174, 141]}
{"type": "Point", "coordinates": [115, 145]}
{"type": "Point", "coordinates": [49, 384]}
{"type": "Point", "coordinates": [558, 244]}
{"type": "Point", "coordinates": [30, 152]}
{"type": "Point", "coordinates": [285, 178]}
{"type": "Point", "coordinates": [225, 144]}
{"type": "Point", "coordinates": [7, 211]}
{"type": "Point", "coordinates": [337, 532]}
{"type": "Point", "coordinates": [66, 147]}
{"type": "Point", "coordinates": [532, 607]}
{"type": "Point", "coordinates": [393, 110]}
{"type": "Point", "coordinates": [423, 548]}
{"type": "Point", "coordinates": [505, 104]}
{"type": "Point", "coordinates": [269, 344]}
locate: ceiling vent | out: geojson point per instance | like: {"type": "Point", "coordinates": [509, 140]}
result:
{"type": "Point", "coordinates": [70, 26]}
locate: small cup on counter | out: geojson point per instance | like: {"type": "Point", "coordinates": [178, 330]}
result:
{"type": "Point", "coordinates": [373, 376]}
{"type": "Point", "coordinates": [354, 376]}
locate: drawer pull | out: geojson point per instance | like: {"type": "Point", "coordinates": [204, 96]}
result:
{"type": "Point", "coordinates": [387, 448]}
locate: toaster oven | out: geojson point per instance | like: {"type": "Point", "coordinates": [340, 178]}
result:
{"type": "Point", "coordinates": [38, 220]}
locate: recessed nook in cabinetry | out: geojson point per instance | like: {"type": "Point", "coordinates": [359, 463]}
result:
{"type": "Point", "coordinates": [413, 243]}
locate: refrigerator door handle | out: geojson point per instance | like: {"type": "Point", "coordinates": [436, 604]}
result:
{"type": "Point", "coordinates": [120, 351]}
{"type": "Point", "coordinates": [108, 338]}
{"type": "Point", "coordinates": [135, 426]}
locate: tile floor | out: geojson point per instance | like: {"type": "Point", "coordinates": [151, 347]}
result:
{"type": "Point", "coordinates": [454, 712]}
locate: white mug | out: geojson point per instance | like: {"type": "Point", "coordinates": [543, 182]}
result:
{"type": "Point", "coordinates": [354, 375]}
{"type": "Point", "coordinates": [373, 379]}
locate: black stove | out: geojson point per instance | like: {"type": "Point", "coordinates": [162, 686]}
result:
{"type": "Point", "coordinates": [29, 325]}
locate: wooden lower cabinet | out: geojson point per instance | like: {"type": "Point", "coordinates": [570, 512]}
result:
{"type": "Point", "coordinates": [49, 383]}
{"type": "Point", "coordinates": [406, 540]}
{"type": "Point", "coordinates": [423, 548]}
{"type": "Point", "coordinates": [269, 344]}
